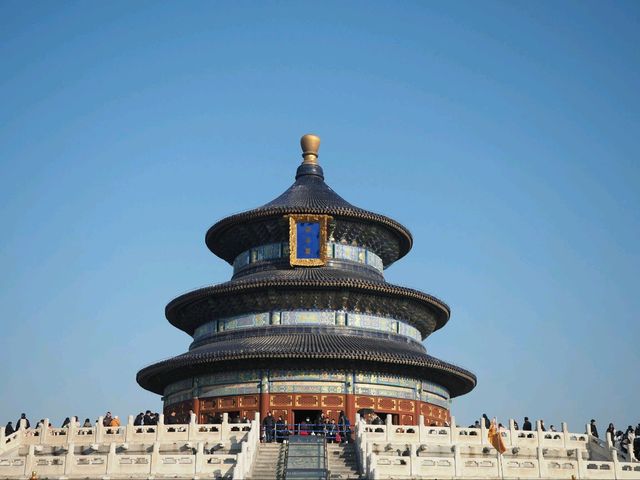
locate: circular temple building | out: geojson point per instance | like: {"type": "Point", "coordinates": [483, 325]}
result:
{"type": "Point", "coordinates": [307, 323]}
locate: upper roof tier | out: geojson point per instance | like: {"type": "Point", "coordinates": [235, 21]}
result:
{"type": "Point", "coordinates": [309, 195]}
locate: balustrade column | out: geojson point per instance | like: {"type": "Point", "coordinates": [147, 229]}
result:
{"type": "Point", "coordinates": [388, 428]}
{"type": "Point", "coordinates": [616, 464]}
{"type": "Point", "coordinates": [100, 430]}
{"type": "Point", "coordinates": [513, 433]}
{"type": "Point", "coordinates": [111, 458]}
{"type": "Point", "coordinates": [199, 458]}
{"type": "Point", "coordinates": [453, 430]}
{"type": "Point", "coordinates": [582, 471]}
{"type": "Point", "coordinates": [457, 460]}
{"type": "Point", "coordinates": [539, 432]}
{"type": "Point", "coordinates": [129, 431]}
{"type": "Point", "coordinates": [414, 464]}
{"type": "Point", "coordinates": [542, 464]}
{"type": "Point", "coordinates": [483, 432]}
{"type": "Point", "coordinates": [30, 461]}
{"type": "Point", "coordinates": [421, 430]}
{"type": "Point", "coordinates": [565, 434]}
{"type": "Point", "coordinates": [69, 460]}
{"type": "Point", "coordinates": [45, 434]}
{"type": "Point", "coordinates": [609, 440]}
{"type": "Point", "coordinates": [155, 457]}
{"type": "Point", "coordinates": [2, 439]}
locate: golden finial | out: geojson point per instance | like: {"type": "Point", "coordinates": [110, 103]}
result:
{"type": "Point", "coordinates": [310, 144]}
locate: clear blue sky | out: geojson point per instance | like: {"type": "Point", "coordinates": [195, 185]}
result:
{"type": "Point", "coordinates": [504, 135]}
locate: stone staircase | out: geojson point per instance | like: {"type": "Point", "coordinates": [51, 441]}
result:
{"type": "Point", "coordinates": [270, 461]}
{"type": "Point", "coordinates": [342, 461]}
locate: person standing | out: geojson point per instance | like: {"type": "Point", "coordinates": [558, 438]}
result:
{"type": "Point", "coordinates": [23, 422]}
{"type": "Point", "coordinates": [138, 420]}
{"type": "Point", "coordinates": [106, 421]}
{"type": "Point", "coordinates": [8, 430]}
{"type": "Point", "coordinates": [281, 430]}
{"type": "Point", "coordinates": [487, 422]}
{"type": "Point", "coordinates": [526, 425]}
{"type": "Point", "coordinates": [611, 430]}
{"type": "Point", "coordinates": [268, 424]}
{"type": "Point", "coordinates": [594, 429]}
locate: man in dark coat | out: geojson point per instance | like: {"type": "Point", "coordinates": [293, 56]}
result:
{"type": "Point", "coordinates": [487, 422]}
{"type": "Point", "coordinates": [268, 424]}
{"type": "Point", "coordinates": [139, 419]}
{"type": "Point", "coordinates": [594, 430]}
{"type": "Point", "coordinates": [526, 425]}
{"type": "Point", "coordinates": [8, 430]}
{"type": "Point", "coordinates": [148, 418]}
{"type": "Point", "coordinates": [23, 422]}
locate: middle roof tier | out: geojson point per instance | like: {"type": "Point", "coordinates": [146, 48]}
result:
{"type": "Point", "coordinates": [321, 288]}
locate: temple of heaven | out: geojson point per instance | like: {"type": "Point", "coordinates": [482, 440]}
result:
{"type": "Point", "coordinates": [307, 324]}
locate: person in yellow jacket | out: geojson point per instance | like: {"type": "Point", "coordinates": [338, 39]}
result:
{"type": "Point", "coordinates": [115, 422]}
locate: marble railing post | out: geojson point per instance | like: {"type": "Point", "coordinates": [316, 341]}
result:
{"type": "Point", "coordinates": [616, 464]}
{"type": "Point", "coordinates": [539, 432]}
{"type": "Point", "coordinates": [100, 429]}
{"type": "Point", "coordinates": [483, 432]}
{"type": "Point", "coordinates": [239, 468]}
{"type": "Point", "coordinates": [609, 440]}
{"type": "Point", "coordinates": [155, 457]}
{"type": "Point", "coordinates": [453, 430]}
{"type": "Point", "coordinates": [2, 439]}
{"type": "Point", "coordinates": [631, 455]}
{"type": "Point", "coordinates": [414, 464]}
{"type": "Point", "coordinates": [588, 429]}
{"type": "Point", "coordinates": [192, 427]}
{"type": "Point", "coordinates": [111, 459]}
{"type": "Point", "coordinates": [30, 461]}
{"type": "Point", "coordinates": [513, 433]}
{"type": "Point", "coordinates": [129, 431]}
{"type": "Point", "coordinates": [499, 464]}
{"type": "Point", "coordinates": [199, 457]}
{"type": "Point", "coordinates": [421, 429]}
{"type": "Point", "coordinates": [373, 463]}
{"type": "Point", "coordinates": [161, 431]}
{"type": "Point", "coordinates": [582, 471]}
{"type": "Point", "coordinates": [44, 435]}
{"type": "Point", "coordinates": [69, 459]}
{"type": "Point", "coordinates": [565, 434]}
{"type": "Point", "coordinates": [388, 429]}
{"type": "Point", "coordinates": [73, 429]}
{"type": "Point", "coordinates": [542, 464]}
{"type": "Point", "coordinates": [457, 461]}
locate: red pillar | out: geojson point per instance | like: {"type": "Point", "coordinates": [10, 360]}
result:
{"type": "Point", "coordinates": [196, 409]}
{"type": "Point", "coordinates": [264, 405]}
{"type": "Point", "coordinates": [350, 408]}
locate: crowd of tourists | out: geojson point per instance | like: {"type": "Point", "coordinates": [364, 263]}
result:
{"type": "Point", "coordinates": [334, 432]}
{"type": "Point", "coordinates": [630, 438]}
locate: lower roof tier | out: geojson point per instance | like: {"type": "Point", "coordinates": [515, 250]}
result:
{"type": "Point", "coordinates": [297, 347]}
{"type": "Point", "coordinates": [307, 288]}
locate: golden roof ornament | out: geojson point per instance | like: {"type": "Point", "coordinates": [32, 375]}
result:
{"type": "Point", "coordinates": [310, 144]}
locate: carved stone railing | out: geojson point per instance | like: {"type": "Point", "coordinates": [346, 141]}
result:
{"type": "Point", "coordinates": [223, 432]}
{"type": "Point", "coordinates": [414, 451]}
{"type": "Point", "coordinates": [52, 452]}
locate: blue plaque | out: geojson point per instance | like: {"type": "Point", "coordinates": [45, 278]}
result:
{"type": "Point", "coordinates": [308, 234]}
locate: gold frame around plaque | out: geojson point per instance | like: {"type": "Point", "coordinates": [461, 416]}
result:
{"type": "Point", "coordinates": [323, 220]}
